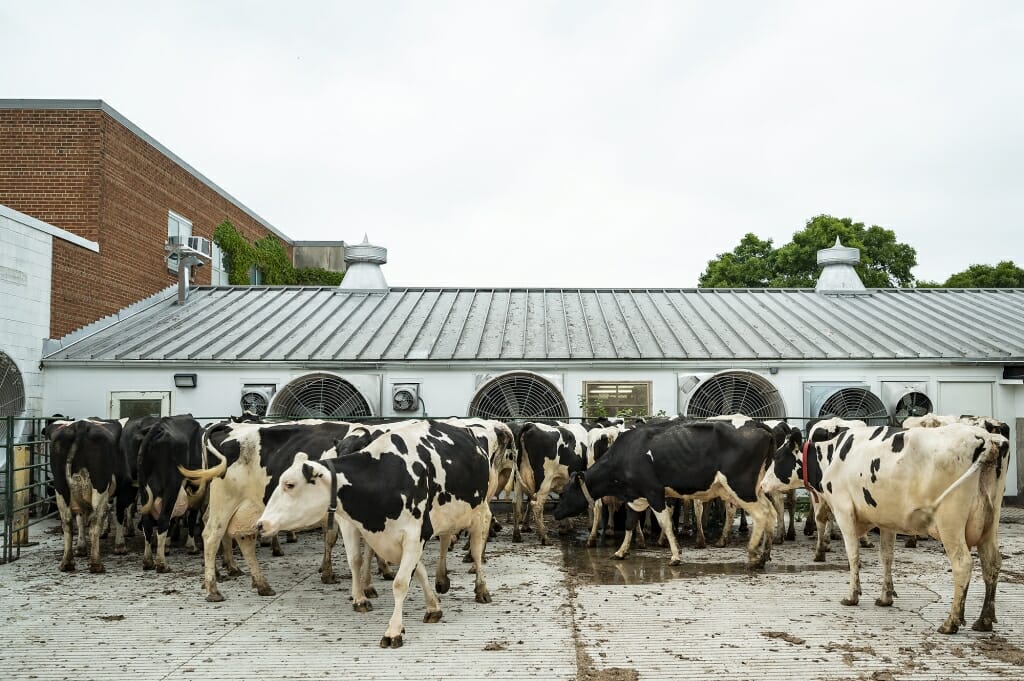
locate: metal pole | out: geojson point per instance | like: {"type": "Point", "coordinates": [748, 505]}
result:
{"type": "Point", "coordinates": [8, 496]}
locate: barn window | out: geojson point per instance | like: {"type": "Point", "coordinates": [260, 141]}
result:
{"type": "Point", "coordinates": [611, 399]}
{"type": "Point", "coordinates": [134, 404]}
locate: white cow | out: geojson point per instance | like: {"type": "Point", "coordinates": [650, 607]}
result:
{"type": "Point", "coordinates": [947, 482]}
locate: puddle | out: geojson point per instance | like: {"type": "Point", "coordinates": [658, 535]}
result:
{"type": "Point", "coordinates": [594, 565]}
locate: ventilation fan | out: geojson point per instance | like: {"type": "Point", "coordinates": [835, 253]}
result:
{"type": "Point", "coordinates": [852, 402]}
{"type": "Point", "coordinates": [518, 396]}
{"type": "Point", "coordinates": [12, 395]}
{"type": "Point", "coordinates": [911, 404]}
{"type": "Point", "coordinates": [736, 392]}
{"type": "Point", "coordinates": [256, 399]}
{"type": "Point", "coordinates": [405, 396]}
{"type": "Point", "coordinates": [320, 396]}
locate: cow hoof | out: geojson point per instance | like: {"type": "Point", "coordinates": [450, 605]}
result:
{"type": "Point", "coordinates": [883, 603]}
{"type": "Point", "coordinates": [591, 543]}
{"type": "Point", "coordinates": [949, 627]}
{"type": "Point", "coordinates": [234, 572]}
{"type": "Point", "coordinates": [911, 543]}
{"type": "Point", "coordinates": [850, 601]}
{"type": "Point", "coordinates": [778, 540]}
{"type": "Point", "coordinates": [982, 624]}
{"type": "Point", "coordinates": [148, 565]}
{"type": "Point", "coordinates": [443, 585]}
{"type": "Point", "coordinates": [215, 597]}
{"type": "Point", "coordinates": [675, 561]}
{"type": "Point", "coordinates": [484, 596]}
{"type": "Point", "coordinates": [162, 569]}
{"type": "Point", "coordinates": [362, 606]}
{"type": "Point", "coordinates": [468, 558]}
{"type": "Point", "coordinates": [97, 568]}
{"type": "Point", "coordinates": [867, 544]}
{"type": "Point", "coordinates": [81, 551]}
{"type": "Point", "coordinates": [120, 550]}
{"type": "Point", "coordinates": [265, 591]}
{"type": "Point", "coordinates": [67, 567]}
{"type": "Point", "coordinates": [432, 616]}
{"type": "Point", "coordinates": [277, 552]}
{"type": "Point", "coordinates": [819, 557]}
{"type": "Point", "coordinates": [545, 542]}
{"type": "Point", "coordinates": [517, 538]}
{"type": "Point", "coordinates": [616, 556]}
{"type": "Point", "coordinates": [791, 536]}
{"type": "Point", "coordinates": [370, 592]}
{"type": "Point", "coordinates": [291, 537]}
{"type": "Point", "coordinates": [699, 544]}
{"type": "Point", "coordinates": [387, 575]}
{"type": "Point", "coordinates": [391, 642]}
{"type": "Point", "coordinates": [328, 578]}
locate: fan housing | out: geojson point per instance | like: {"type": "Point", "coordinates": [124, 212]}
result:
{"type": "Point", "coordinates": [518, 395]}
{"type": "Point", "coordinates": [320, 395]}
{"type": "Point", "coordinates": [735, 392]}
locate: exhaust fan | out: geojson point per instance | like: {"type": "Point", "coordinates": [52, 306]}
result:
{"type": "Point", "coordinates": [405, 396]}
{"type": "Point", "coordinates": [256, 399]}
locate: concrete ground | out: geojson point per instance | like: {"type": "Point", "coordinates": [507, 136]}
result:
{"type": "Point", "coordinates": [559, 612]}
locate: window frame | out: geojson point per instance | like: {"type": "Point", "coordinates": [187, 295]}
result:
{"type": "Point", "coordinates": [646, 408]}
{"type": "Point", "coordinates": [116, 396]}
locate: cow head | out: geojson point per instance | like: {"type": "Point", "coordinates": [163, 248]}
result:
{"type": "Point", "coordinates": [300, 499]}
{"type": "Point", "coordinates": [574, 499]}
{"type": "Point", "coordinates": [786, 471]}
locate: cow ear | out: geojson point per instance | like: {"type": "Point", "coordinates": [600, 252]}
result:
{"type": "Point", "coordinates": [310, 473]}
{"type": "Point", "coordinates": [301, 456]}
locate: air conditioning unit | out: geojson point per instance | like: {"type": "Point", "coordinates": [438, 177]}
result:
{"type": "Point", "coordinates": [405, 396]}
{"type": "Point", "coordinates": [201, 244]}
{"type": "Point", "coordinates": [687, 385]}
{"type": "Point", "coordinates": [906, 398]}
{"type": "Point", "coordinates": [256, 398]}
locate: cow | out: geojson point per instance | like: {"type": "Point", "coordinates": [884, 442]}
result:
{"type": "Point", "coordinates": [87, 469]}
{"type": "Point", "coordinates": [251, 457]}
{"type": "Point", "coordinates": [133, 432]}
{"type": "Point", "coordinates": [170, 443]}
{"type": "Point", "coordinates": [422, 479]}
{"type": "Point", "coordinates": [947, 482]}
{"type": "Point", "coordinates": [702, 460]}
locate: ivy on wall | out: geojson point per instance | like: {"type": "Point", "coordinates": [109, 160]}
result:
{"type": "Point", "coordinates": [270, 256]}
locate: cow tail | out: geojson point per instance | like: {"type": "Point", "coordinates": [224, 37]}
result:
{"type": "Point", "coordinates": [204, 475]}
{"type": "Point", "coordinates": [921, 518]}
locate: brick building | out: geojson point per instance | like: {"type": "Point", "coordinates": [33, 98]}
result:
{"type": "Point", "coordinates": [80, 166]}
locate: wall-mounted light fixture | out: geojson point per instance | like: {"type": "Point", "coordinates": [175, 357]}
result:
{"type": "Point", "coordinates": [184, 380]}
{"type": "Point", "coordinates": [773, 370]}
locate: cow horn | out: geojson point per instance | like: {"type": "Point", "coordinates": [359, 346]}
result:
{"type": "Point", "coordinates": [204, 475]}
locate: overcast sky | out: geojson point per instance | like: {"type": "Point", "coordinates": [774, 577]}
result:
{"type": "Point", "coordinates": [566, 144]}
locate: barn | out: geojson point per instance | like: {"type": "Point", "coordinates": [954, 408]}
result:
{"type": "Point", "coordinates": [366, 349]}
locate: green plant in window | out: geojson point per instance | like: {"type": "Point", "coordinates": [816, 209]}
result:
{"type": "Point", "coordinates": [270, 256]}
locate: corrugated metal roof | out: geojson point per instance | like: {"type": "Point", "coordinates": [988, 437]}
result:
{"type": "Point", "coordinates": [450, 324]}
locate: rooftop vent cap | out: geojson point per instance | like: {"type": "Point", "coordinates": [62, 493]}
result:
{"type": "Point", "coordinates": [837, 270]}
{"type": "Point", "coordinates": [362, 267]}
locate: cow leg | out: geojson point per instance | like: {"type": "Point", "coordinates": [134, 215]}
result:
{"type": "Point", "coordinates": [82, 547]}
{"type": "Point", "coordinates": [850, 538]}
{"type": "Point", "coordinates": [517, 509]}
{"type": "Point", "coordinates": [148, 536]}
{"type": "Point", "coordinates": [821, 513]}
{"type": "Point", "coordinates": [351, 538]}
{"type": "Point", "coordinates": [275, 546]}
{"type": "Point", "coordinates": [247, 545]}
{"type": "Point", "coordinates": [780, 512]}
{"type": "Point", "coordinates": [192, 530]}
{"type": "Point", "coordinates": [911, 542]}
{"type": "Point", "coordinates": [97, 519]}
{"type": "Point", "coordinates": [638, 533]}
{"type": "Point", "coordinates": [67, 560]}
{"type": "Point", "coordinates": [433, 612]}
{"type": "Point", "coordinates": [627, 537]}
{"type": "Point", "coordinates": [120, 507]}
{"type": "Point", "coordinates": [227, 556]}
{"type": "Point", "coordinates": [762, 514]}
{"type": "Point", "coordinates": [441, 581]}
{"type": "Point", "coordinates": [960, 558]}
{"type": "Point", "coordinates": [385, 569]}
{"type": "Point", "coordinates": [537, 507]}
{"type": "Point", "coordinates": [810, 525]}
{"type": "Point", "coordinates": [595, 522]}
{"type": "Point", "coordinates": [698, 514]}
{"type": "Point", "coordinates": [886, 544]}
{"type": "Point", "coordinates": [327, 564]}
{"type": "Point", "coordinates": [412, 550]}
{"type": "Point", "coordinates": [730, 516]}
{"type": "Point", "coordinates": [664, 517]}
{"type": "Point", "coordinates": [366, 571]}
{"type": "Point", "coordinates": [991, 563]}
{"type": "Point", "coordinates": [791, 505]}
{"type": "Point", "coordinates": [478, 534]}
{"type": "Point", "coordinates": [161, 552]}
{"type": "Point", "coordinates": [213, 537]}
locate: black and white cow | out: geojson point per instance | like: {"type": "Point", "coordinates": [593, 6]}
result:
{"type": "Point", "coordinates": [420, 480]}
{"type": "Point", "coordinates": [947, 482]}
{"type": "Point", "coordinates": [87, 468]}
{"type": "Point", "coordinates": [169, 444]}
{"type": "Point", "coordinates": [251, 457]}
{"type": "Point", "coordinates": [702, 460]}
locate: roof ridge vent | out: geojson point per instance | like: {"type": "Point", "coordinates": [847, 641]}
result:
{"type": "Point", "coordinates": [362, 267]}
{"type": "Point", "coordinates": [837, 270]}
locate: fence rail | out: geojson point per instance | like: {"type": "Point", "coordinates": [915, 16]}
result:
{"type": "Point", "coordinates": [26, 491]}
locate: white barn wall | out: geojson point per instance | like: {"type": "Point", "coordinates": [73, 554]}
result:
{"type": "Point", "coordinates": [447, 391]}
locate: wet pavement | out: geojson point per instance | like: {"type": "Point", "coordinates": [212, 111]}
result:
{"type": "Point", "coordinates": [563, 611]}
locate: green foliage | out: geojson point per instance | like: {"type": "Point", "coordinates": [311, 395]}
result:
{"type": "Point", "coordinates": [592, 409]}
{"type": "Point", "coordinates": [270, 256]}
{"type": "Point", "coordinates": [754, 263]}
{"type": "Point", "coordinates": [1004, 275]}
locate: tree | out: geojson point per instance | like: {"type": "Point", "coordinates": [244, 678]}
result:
{"type": "Point", "coordinates": [1004, 275]}
{"type": "Point", "coordinates": [884, 262]}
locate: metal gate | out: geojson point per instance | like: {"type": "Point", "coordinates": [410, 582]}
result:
{"type": "Point", "coordinates": [26, 489]}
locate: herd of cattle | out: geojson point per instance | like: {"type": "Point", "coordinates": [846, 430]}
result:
{"type": "Point", "coordinates": [388, 488]}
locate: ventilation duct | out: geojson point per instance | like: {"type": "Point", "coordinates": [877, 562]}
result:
{"type": "Point", "coordinates": [516, 396]}
{"type": "Point", "coordinates": [735, 392]}
{"type": "Point", "coordinates": [327, 396]}
{"type": "Point", "coordinates": [845, 400]}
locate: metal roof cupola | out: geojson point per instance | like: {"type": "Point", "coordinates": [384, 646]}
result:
{"type": "Point", "coordinates": [837, 270]}
{"type": "Point", "coordinates": [362, 267]}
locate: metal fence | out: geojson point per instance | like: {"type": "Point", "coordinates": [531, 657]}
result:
{"type": "Point", "coordinates": [26, 489]}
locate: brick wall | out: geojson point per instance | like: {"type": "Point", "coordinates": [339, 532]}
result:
{"type": "Point", "coordinates": [85, 172]}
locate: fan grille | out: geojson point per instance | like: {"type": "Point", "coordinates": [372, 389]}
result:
{"type": "Point", "coordinates": [912, 404]}
{"type": "Point", "coordinates": [517, 396]}
{"type": "Point", "coordinates": [320, 396]}
{"type": "Point", "coordinates": [737, 392]}
{"type": "Point", "coordinates": [12, 388]}
{"type": "Point", "coordinates": [855, 403]}
{"type": "Point", "coordinates": [254, 402]}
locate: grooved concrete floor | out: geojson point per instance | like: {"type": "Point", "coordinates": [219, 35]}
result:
{"type": "Point", "coordinates": [559, 612]}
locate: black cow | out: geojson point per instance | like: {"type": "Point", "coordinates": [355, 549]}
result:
{"type": "Point", "coordinates": [682, 460]}
{"type": "Point", "coordinates": [171, 443]}
{"type": "Point", "coordinates": [420, 480]}
{"type": "Point", "coordinates": [87, 470]}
